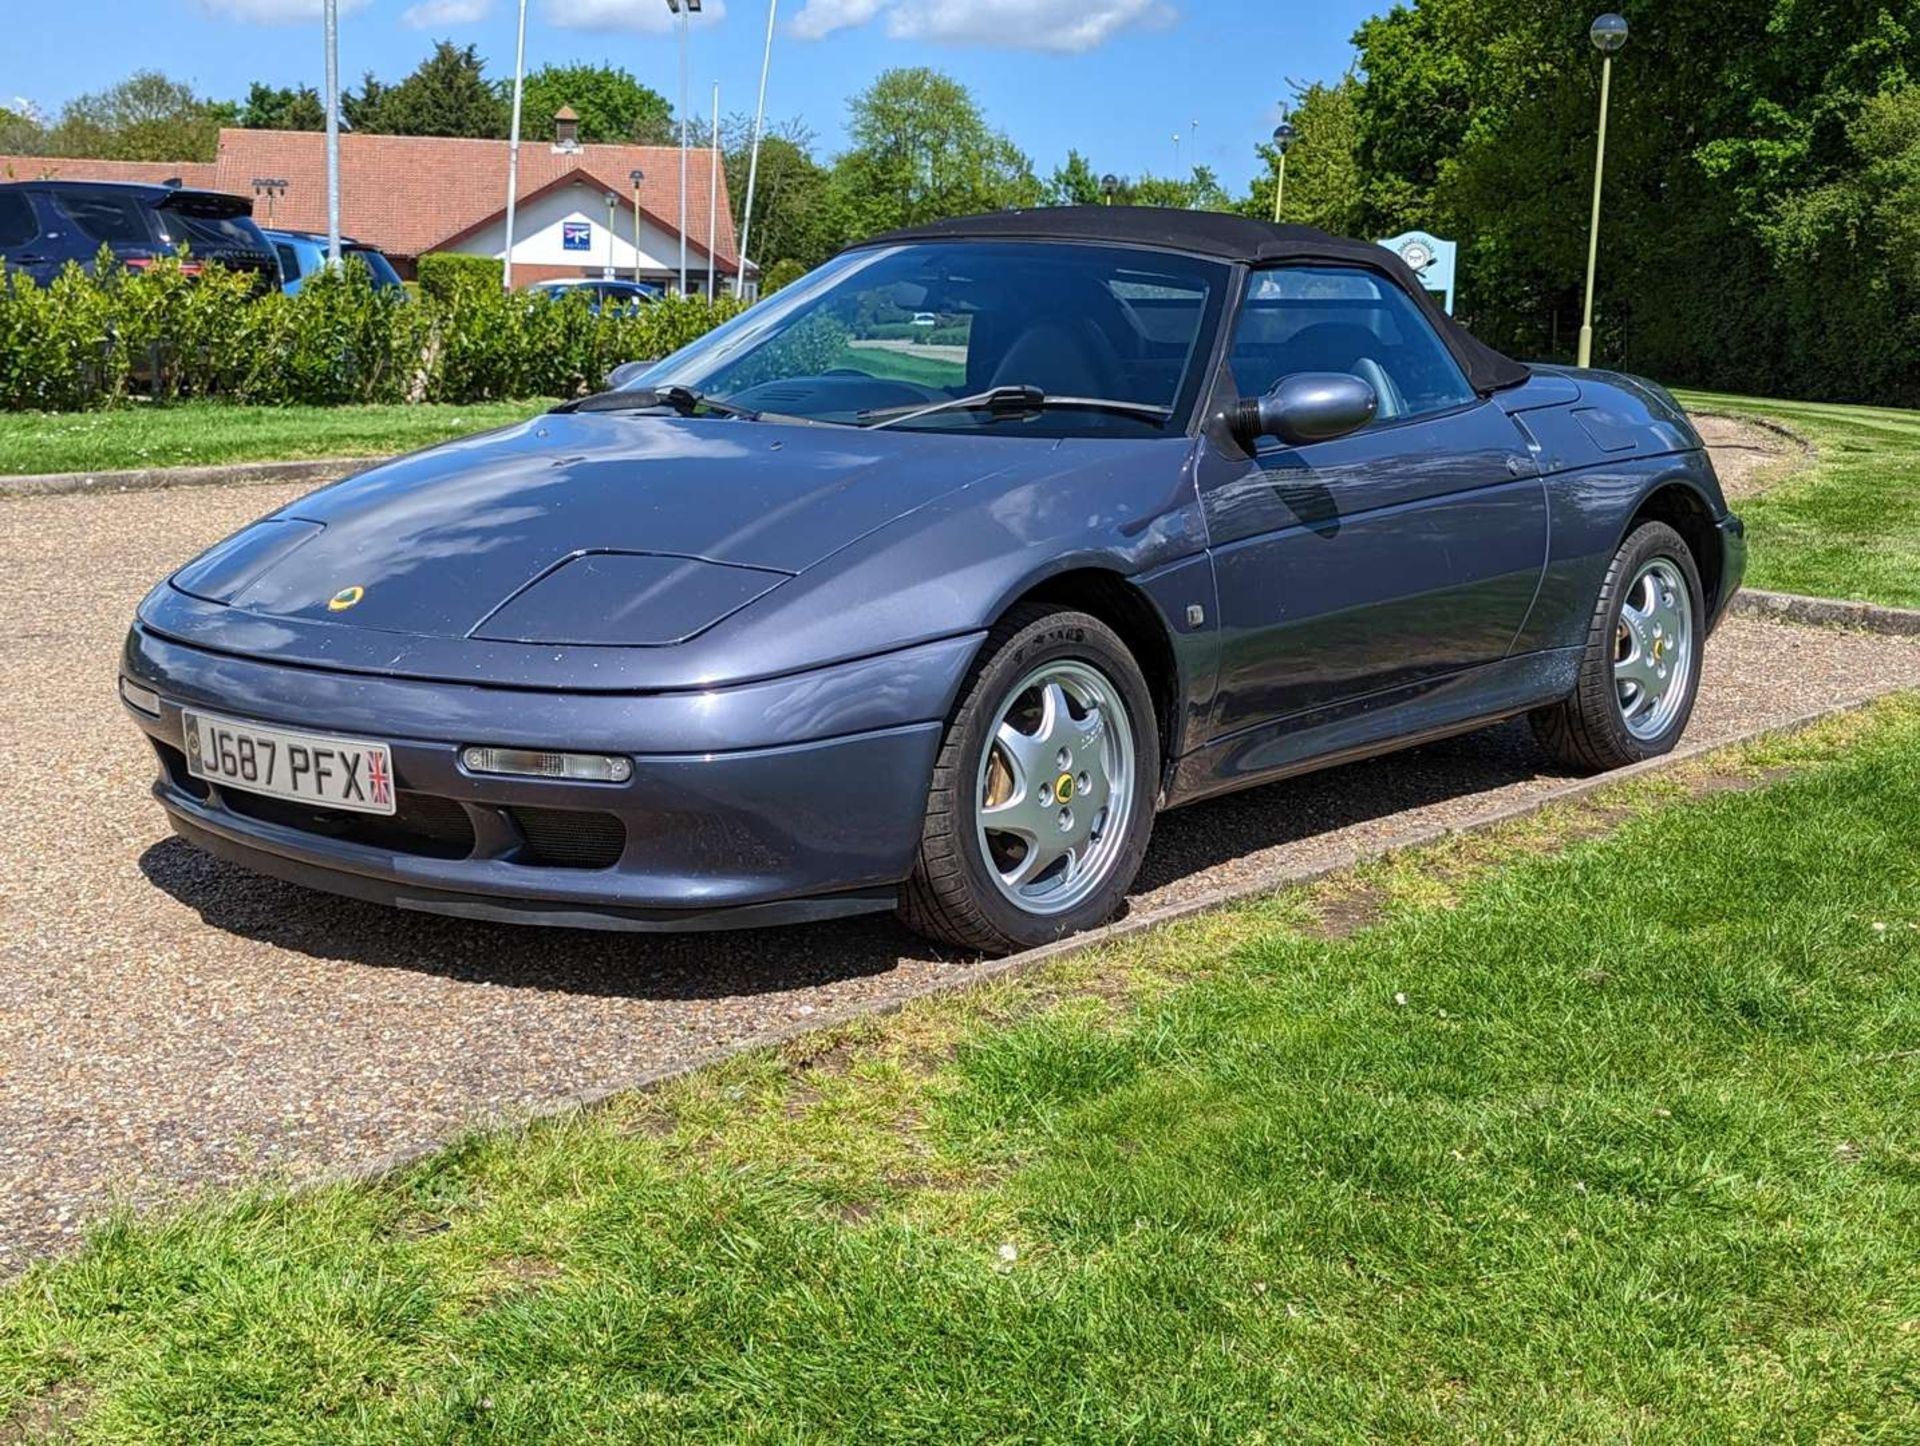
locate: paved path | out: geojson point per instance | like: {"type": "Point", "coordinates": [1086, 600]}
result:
{"type": "Point", "coordinates": [167, 1020]}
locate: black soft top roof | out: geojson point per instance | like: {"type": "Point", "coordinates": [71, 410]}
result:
{"type": "Point", "coordinates": [1225, 237]}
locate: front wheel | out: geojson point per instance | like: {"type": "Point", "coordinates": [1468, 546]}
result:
{"type": "Point", "coordinates": [1043, 791]}
{"type": "Point", "coordinates": [1640, 669]}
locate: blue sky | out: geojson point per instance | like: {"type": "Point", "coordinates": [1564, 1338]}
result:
{"type": "Point", "coordinates": [1116, 78]}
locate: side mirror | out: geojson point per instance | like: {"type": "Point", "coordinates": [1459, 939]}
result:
{"type": "Point", "coordinates": [1305, 407]}
{"type": "Point", "coordinates": [624, 373]}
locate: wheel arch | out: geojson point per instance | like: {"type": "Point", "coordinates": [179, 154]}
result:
{"type": "Point", "coordinates": [1120, 604]}
{"type": "Point", "coordinates": [1687, 510]}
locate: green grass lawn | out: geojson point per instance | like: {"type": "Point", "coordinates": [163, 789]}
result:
{"type": "Point", "coordinates": [1849, 527]}
{"type": "Point", "coordinates": [207, 432]}
{"type": "Point", "coordinates": [1610, 1139]}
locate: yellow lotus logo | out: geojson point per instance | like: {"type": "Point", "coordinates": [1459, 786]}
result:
{"type": "Point", "coordinates": [345, 598]}
{"type": "Point", "coordinates": [1063, 788]}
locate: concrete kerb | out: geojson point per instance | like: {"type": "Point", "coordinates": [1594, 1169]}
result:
{"type": "Point", "coordinates": [150, 479]}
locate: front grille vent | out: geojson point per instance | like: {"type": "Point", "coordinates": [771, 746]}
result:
{"type": "Point", "coordinates": [569, 838]}
{"type": "Point", "coordinates": [421, 824]}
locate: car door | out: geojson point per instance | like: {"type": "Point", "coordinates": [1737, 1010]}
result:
{"type": "Point", "coordinates": [1404, 552]}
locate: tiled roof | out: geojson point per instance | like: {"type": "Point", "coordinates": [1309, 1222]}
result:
{"type": "Point", "coordinates": [409, 194]}
{"type": "Point", "coordinates": [47, 168]}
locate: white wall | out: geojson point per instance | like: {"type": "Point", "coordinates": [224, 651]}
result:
{"type": "Point", "coordinates": [538, 237]}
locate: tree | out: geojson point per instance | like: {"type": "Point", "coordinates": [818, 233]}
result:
{"type": "Point", "coordinates": [795, 211]}
{"type": "Point", "coordinates": [611, 104]}
{"type": "Point", "coordinates": [282, 108]}
{"type": "Point", "coordinates": [921, 150]}
{"type": "Point", "coordinates": [448, 95]}
{"type": "Point", "coordinates": [1074, 184]}
{"type": "Point", "coordinates": [1738, 150]}
{"type": "Point", "coordinates": [1323, 164]}
{"type": "Point", "coordinates": [146, 117]}
{"type": "Point", "coordinates": [20, 135]}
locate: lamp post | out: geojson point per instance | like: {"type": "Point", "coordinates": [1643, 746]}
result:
{"type": "Point", "coordinates": [513, 145]}
{"type": "Point", "coordinates": [1109, 184]}
{"type": "Point", "coordinates": [1176, 155]}
{"type": "Point", "coordinates": [613, 210]}
{"type": "Point", "coordinates": [636, 175]}
{"type": "Point", "coordinates": [1608, 33]}
{"type": "Point", "coordinates": [331, 29]}
{"type": "Point", "coordinates": [684, 9]}
{"type": "Point", "coordinates": [1282, 143]}
{"type": "Point", "coordinates": [753, 163]}
{"type": "Point", "coordinates": [270, 187]}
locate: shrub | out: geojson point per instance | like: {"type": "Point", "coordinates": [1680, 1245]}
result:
{"type": "Point", "coordinates": [782, 273]}
{"type": "Point", "coordinates": [88, 340]}
{"type": "Point", "coordinates": [439, 273]}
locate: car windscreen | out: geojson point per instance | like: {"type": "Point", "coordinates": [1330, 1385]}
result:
{"type": "Point", "coordinates": [852, 341]}
{"type": "Point", "coordinates": [381, 268]}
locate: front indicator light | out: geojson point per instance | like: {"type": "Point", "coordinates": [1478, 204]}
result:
{"type": "Point", "coordinates": [529, 763]}
{"type": "Point", "coordinates": [141, 700]}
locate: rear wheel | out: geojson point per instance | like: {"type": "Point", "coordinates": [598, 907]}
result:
{"type": "Point", "coordinates": [1042, 797]}
{"type": "Point", "coordinates": [1640, 669]}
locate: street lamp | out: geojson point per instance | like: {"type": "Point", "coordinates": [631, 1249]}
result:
{"type": "Point", "coordinates": [1282, 143]}
{"type": "Point", "coordinates": [1608, 34]}
{"type": "Point", "coordinates": [1109, 184]}
{"type": "Point", "coordinates": [636, 175]}
{"type": "Point", "coordinates": [270, 187]}
{"type": "Point", "coordinates": [684, 9]}
{"type": "Point", "coordinates": [613, 209]}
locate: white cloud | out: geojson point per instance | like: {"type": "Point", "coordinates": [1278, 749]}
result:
{"type": "Point", "coordinates": [275, 12]}
{"type": "Point", "coordinates": [1063, 26]}
{"type": "Point", "coordinates": [820, 18]}
{"type": "Point", "coordinates": [645, 17]}
{"type": "Point", "coordinates": [432, 13]}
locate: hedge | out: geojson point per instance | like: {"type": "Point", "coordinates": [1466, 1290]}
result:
{"type": "Point", "coordinates": [87, 341]}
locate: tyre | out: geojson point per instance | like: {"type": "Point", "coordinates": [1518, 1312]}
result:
{"type": "Point", "coordinates": [1043, 790]}
{"type": "Point", "coordinates": [1640, 667]}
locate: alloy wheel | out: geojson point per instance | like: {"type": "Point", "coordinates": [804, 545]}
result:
{"type": "Point", "coordinates": [1055, 787]}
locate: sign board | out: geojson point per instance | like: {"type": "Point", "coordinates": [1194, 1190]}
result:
{"type": "Point", "coordinates": [1429, 258]}
{"type": "Point", "coordinates": [576, 236]}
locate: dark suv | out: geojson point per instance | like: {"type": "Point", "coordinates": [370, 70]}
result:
{"type": "Point", "coordinates": [46, 224]}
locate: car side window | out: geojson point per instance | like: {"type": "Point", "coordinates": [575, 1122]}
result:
{"type": "Point", "coordinates": [17, 224]}
{"type": "Point", "coordinates": [108, 219]}
{"type": "Point", "coordinates": [1344, 319]}
{"type": "Point", "coordinates": [289, 261]}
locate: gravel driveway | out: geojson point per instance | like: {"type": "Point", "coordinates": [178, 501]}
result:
{"type": "Point", "coordinates": [167, 1020]}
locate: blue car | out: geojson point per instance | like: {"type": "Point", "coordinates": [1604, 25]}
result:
{"type": "Point", "coordinates": [301, 253]}
{"type": "Point", "coordinates": [48, 225]}
{"type": "Point", "coordinates": [809, 619]}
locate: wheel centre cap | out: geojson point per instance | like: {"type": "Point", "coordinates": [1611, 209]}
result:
{"type": "Point", "coordinates": [1063, 788]}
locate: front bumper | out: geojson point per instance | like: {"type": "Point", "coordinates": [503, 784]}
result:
{"type": "Point", "coordinates": [770, 832]}
{"type": "Point", "coordinates": [1733, 564]}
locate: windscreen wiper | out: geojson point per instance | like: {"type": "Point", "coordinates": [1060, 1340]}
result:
{"type": "Point", "coordinates": [1013, 401]}
{"type": "Point", "coordinates": [683, 400]}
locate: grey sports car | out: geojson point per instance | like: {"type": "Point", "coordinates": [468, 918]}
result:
{"type": "Point", "coordinates": [926, 583]}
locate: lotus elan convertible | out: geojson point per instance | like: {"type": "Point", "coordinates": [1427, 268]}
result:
{"type": "Point", "coordinates": [837, 610]}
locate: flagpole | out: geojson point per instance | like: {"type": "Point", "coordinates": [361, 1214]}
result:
{"type": "Point", "coordinates": [713, 199]}
{"type": "Point", "coordinates": [513, 143]}
{"type": "Point", "coordinates": [332, 28]}
{"type": "Point", "coordinates": [753, 165]}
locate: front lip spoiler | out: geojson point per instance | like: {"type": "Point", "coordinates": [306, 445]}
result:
{"type": "Point", "coordinates": [200, 826]}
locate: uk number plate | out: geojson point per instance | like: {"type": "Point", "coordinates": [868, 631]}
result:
{"type": "Point", "coordinates": [345, 773]}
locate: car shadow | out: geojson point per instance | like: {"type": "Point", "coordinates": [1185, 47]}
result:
{"type": "Point", "coordinates": [1187, 842]}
